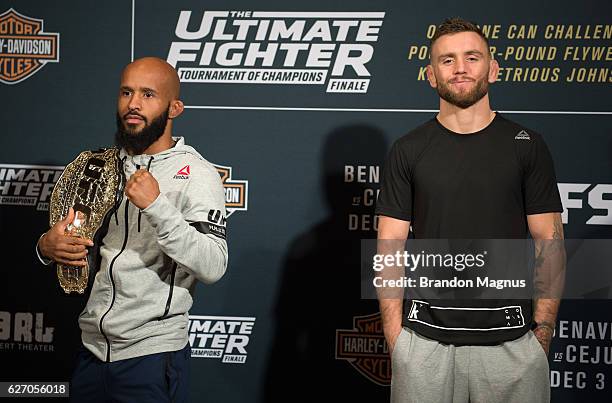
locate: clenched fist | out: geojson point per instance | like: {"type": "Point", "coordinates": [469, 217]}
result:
{"type": "Point", "coordinates": [142, 189]}
{"type": "Point", "coordinates": [59, 245]}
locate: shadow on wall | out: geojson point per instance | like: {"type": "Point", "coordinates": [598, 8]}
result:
{"type": "Point", "coordinates": [320, 285]}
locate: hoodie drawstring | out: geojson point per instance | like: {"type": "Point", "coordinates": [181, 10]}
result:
{"type": "Point", "coordinates": [148, 169]}
{"type": "Point", "coordinates": [119, 195]}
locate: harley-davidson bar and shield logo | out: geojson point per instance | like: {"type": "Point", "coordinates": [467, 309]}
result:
{"type": "Point", "coordinates": [24, 46]}
{"type": "Point", "coordinates": [365, 348]}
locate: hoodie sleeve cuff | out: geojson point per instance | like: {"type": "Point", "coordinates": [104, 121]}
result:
{"type": "Point", "coordinates": [42, 259]}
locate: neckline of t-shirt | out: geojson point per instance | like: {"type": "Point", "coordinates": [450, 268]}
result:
{"type": "Point", "coordinates": [466, 135]}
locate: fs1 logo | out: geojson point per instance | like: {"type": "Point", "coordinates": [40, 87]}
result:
{"type": "Point", "coordinates": [236, 191]}
{"type": "Point", "coordinates": [28, 185]}
{"type": "Point", "coordinates": [220, 337]}
{"type": "Point", "coordinates": [276, 47]}
{"type": "Point", "coordinates": [24, 47]}
{"type": "Point", "coordinates": [365, 348]}
{"type": "Point", "coordinates": [599, 198]}
{"type": "Point", "coordinates": [25, 331]}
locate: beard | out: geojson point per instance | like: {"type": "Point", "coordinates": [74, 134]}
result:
{"type": "Point", "coordinates": [464, 100]}
{"type": "Point", "coordinates": [134, 141]}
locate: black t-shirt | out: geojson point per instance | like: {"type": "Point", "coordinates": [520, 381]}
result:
{"type": "Point", "coordinates": [480, 185]}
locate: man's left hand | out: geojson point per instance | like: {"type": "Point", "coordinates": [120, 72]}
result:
{"type": "Point", "coordinates": [142, 188]}
{"type": "Point", "coordinates": [544, 336]}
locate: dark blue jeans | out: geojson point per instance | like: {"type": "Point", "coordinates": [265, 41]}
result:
{"type": "Point", "coordinates": [161, 377]}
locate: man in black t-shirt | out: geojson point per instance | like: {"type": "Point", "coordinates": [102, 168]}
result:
{"type": "Point", "coordinates": [468, 173]}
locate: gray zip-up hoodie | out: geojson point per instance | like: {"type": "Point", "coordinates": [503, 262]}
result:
{"type": "Point", "coordinates": [150, 260]}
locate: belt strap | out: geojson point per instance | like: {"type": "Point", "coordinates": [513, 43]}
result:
{"type": "Point", "coordinates": [472, 319]}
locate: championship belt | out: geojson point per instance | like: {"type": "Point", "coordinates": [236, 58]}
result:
{"type": "Point", "coordinates": [92, 185]}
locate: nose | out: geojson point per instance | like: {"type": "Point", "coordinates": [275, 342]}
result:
{"type": "Point", "coordinates": [134, 103]}
{"type": "Point", "coordinates": [460, 66]}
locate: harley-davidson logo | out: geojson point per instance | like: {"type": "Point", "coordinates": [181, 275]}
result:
{"type": "Point", "coordinates": [236, 191]}
{"type": "Point", "coordinates": [365, 348]}
{"type": "Point", "coordinates": [24, 47]}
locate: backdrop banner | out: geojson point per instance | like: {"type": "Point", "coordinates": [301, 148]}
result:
{"type": "Point", "coordinates": [297, 105]}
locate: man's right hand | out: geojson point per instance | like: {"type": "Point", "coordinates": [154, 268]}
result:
{"type": "Point", "coordinates": [391, 337]}
{"type": "Point", "coordinates": [62, 248]}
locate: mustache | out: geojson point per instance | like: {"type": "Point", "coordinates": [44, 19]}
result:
{"type": "Point", "coordinates": [457, 79]}
{"type": "Point", "coordinates": [134, 113]}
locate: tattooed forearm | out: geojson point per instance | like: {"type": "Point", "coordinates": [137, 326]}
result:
{"type": "Point", "coordinates": [557, 227]}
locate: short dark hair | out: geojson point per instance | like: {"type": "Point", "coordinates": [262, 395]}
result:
{"type": "Point", "coordinates": [454, 26]}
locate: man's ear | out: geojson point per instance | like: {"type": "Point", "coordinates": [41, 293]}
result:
{"type": "Point", "coordinates": [431, 77]}
{"type": "Point", "coordinates": [493, 71]}
{"type": "Point", "coordinates": [176, 108]}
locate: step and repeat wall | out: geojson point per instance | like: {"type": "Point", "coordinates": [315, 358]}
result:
{"type": "Point", "coordinates": [297, 105]}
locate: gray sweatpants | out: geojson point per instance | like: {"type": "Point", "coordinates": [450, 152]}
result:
{"type": "Point", "coordinates": [426, 371]}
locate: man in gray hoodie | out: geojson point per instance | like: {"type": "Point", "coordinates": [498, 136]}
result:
{"type": "Point", "coordinates": [168, 233]}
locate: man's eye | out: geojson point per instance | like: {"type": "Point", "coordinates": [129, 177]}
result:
{"type": "Point", "coordinates": [125, 93]}
{"type": "Point", "coordinates": [447, 61]}
{"type": "Point", "coordinates": [148, 94]}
